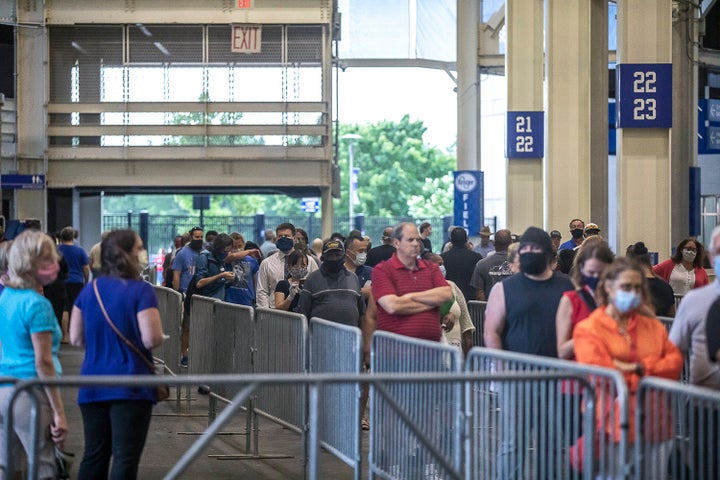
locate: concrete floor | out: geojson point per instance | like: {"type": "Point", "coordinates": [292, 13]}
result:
{"type": "Point", "coordinates": [175, 427]}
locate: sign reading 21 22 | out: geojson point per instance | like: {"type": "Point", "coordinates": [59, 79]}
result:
{"type": "Point", "coordinates": [644, 95]}
{"type": "Point", "coordinates": [525, 132]}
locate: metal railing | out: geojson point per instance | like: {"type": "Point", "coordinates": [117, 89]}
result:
{"type": "Point", "coordinates": [337, 349]}
{"type": "Point", "coordinates": [171, 310]}
{"type": "Point", "coordinates": [281, 347]}
{"type": "Point", "coordinates": [677, 431]}
{"type": "Point", "coordinates": [477, 314]}
{"type": "Point", "coordinates": [536, 421]}
{"type": "Point", "coordinates": [249, 384]}
{"type": "Point", "coordinates": [417, 428]}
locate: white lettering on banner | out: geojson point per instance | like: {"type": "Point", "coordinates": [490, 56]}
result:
{"type": "Point", "coordinates": [246, 38]}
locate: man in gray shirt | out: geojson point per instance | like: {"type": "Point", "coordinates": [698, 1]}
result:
{"type": "Point", "coordinates": [688, 328]}
{"type": "Point", "coordinates": [482, 279]}
{"type": "Point", "coordinates": [688, 332]}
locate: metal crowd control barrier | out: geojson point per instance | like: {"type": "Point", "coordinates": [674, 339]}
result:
{"type": "Point", "coordinates": [540, 426]}
{"type": "Point", "coordinates": [677, 431]}
{"type": "Point", "coordinates": [281, 340]}
{"type": "Point", "coordinates": [477, 314]}
{"type": "Point", "coordinates": [234, 329]}
{"type": "Point", "coordinates": [416, 428]}
{"type": "Point", "coordinates": [249, 384]}
{"type": "Point", "coordinates": [202, 335]}
{"type": "Point", "coordinates": [337, 348]}
{"type": "Point", "coordinates": [171, 310]}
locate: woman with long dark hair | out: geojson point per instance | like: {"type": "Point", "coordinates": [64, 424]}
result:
{"type": "Point", "coordinates": [117, 320]}
{"type": "Point", "coordinates": [684, 270]}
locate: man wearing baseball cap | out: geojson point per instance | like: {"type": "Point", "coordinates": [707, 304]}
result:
{"type": "Point", "coordinates": [332, 292]}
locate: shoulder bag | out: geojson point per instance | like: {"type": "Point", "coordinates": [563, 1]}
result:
{"type": "Point", "coordinates": [162, 392]}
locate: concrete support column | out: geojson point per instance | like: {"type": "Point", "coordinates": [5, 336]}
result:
{"type": "Point", "coordinates": [643, 154]}
{"type": "Point", "coordinates": [524, 73]}
{"type": "Point", "coordinates": [31, 67]}
{"type": "Point", "coordinates": [326, 211]}
{"type": "Point", "coordinates": [468, 87]}
{"type": "Point", "coordinates": [90, 222]}
{"type": "Point", "coordinates": [685, 100]}
{"type": "Point", "coordinates": [576, 153]}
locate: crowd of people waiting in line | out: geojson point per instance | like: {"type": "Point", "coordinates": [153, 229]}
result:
{"type": "Point", "coordinates": [575, 300]}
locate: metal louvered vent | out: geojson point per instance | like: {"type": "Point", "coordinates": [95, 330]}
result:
{"type": "Point", "coordinates": [165, 44]}
{"type": "Point", "coordinates": [146, 85]}
{"type": "Point", "coordinates": [77, 55]}
{"type": "Point", "coordinates": [304, 44]}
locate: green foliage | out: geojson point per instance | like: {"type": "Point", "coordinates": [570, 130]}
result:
{"type": "Point", "coordinates": [436, 193]}
{"type": "Point", "coordinates": [397, 171]}
{"type": "Point", "coordinates": [399, 176]}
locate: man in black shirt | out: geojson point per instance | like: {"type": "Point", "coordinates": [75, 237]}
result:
{"type": "Point", "coordinates": [381, 252]}
{"type": "Point", "coordinates": [520, 317]}
{"type": "Point", "coordinates": [460, 262]}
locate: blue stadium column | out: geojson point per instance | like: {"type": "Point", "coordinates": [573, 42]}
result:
{"type": "Point", "coordinates": [524, 73]}
{"type": "Point", "coordinates": [644, 109]}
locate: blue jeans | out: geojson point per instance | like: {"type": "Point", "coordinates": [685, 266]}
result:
{"type": "Point", "coordinates": [116, 429]}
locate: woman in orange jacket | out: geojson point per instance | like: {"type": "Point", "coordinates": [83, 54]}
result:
{"type": "Point", "coordinates": [617, 335]}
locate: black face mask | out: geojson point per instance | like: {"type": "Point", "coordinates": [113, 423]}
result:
{"type": "Point", "coordinates": [533, 263]}
{"type": "Point", "coordinates": [333, 266]}
{"type": "Point", "coordinates": [577, 232]}
{"type": "Point", "coordinates": [196, 245]}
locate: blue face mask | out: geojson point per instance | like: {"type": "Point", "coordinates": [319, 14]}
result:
{"type": "Point", "coordinates": [626, 301]}
{"type": "Point", "coordinates": [716, 264]}
{"type": "Point", "coordinates": [284, 244]}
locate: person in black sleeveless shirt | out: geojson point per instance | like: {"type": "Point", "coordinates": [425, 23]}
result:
{"type": "Point", "coordinates": [520, 317]}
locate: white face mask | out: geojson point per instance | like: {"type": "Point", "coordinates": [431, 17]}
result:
{"type": "Point", "coordinates": [360, 259]}
{"type": "Point", "coordinates": [443, 270]}
{"type": "Point", "coordinates": [689, 255]}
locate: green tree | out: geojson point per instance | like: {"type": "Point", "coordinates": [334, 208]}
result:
{"type": "Point", "coordinates": [399, 175]}
{"type": "Point", "coordinates": [398, 171]}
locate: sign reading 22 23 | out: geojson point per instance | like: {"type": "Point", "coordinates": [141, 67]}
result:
{"type": "Point", "coordinates": [644, 95]}
{"type": "Point", "coordinates": [525, 133]}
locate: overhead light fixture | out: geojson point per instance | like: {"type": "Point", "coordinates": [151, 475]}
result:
{"type": "Point", "coordinates": [143, 29]}
{"type": "Point", "coordinates": [77, 47]}
{"type": "Point", "coordinates": [162, 48]}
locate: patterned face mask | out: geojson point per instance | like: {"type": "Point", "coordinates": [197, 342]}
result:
{"type": "Point", "coordinates": [298, 272]}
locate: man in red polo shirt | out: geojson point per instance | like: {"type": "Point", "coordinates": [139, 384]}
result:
{"type": "Point", "coordinates": [408, 291]}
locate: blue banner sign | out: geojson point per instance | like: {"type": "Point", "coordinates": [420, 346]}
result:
{"type": "Point", "coordinates": [310, 204]}
{"type": "Point", "coordinates": [22, 182]}
{"type": "Point", "coordinates": [644, 95]}
{"type": "Point", "coordinates": [713, 107]}
{"type": "Point", "coordinates": [525, 135]}
{"type": "Point", "coordinates": [469, 195]}
{"type": "Point", "coordinates": [713, 138]}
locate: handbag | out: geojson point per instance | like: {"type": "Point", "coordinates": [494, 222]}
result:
{"type": "Point", "coordinates": [162, 392]}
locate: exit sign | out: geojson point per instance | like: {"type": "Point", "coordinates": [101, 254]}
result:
{"type": "Point", "coordinates": [245, 3]}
